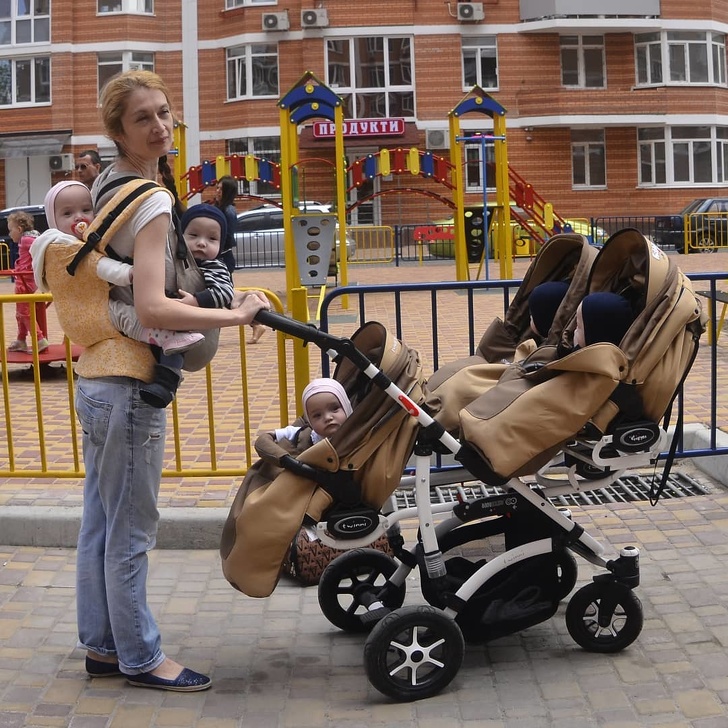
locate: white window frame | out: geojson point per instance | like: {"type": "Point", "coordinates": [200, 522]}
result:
{"type": "Point", "coordinates": [125, 7]}
{"type": "Point", "coordinates": [687, 145]}
{"type": "Point", "coordinates": [39, 24]}
{"type": "Point", "coordinates": [584, 45]}
{"type": "Point", "coordinates": [125, 61]}
{"type": "Point", "coordinates": [232, 4]}
{"type": "Point", "coordinates": [34, 82]}
{"type": "Point", "coordinates": [352, 91]}
{"type": "Point", "coordinates": [586, 144]}
{"type": "Point", "coordinates": [658, 51]}
{"type": "Point", "coordinates": [263, 147]}
{"type": "Point", "coordinates": [473, 163]}
{"type": "Point", "coordinates": [479, 47]}
{"type": "Point", "coordinates": [241, 57]}
{"type": "Point", "coordinates": [651, 157]}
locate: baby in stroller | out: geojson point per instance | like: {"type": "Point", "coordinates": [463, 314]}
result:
{"type": "Point", "coordinates": [602, 398]}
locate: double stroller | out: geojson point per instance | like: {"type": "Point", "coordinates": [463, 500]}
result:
{"type": "Point", "coordinates": [608, 421]}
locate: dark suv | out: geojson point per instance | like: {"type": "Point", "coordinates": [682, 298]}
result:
{"type": "Point", "coordinates": [40, 224]}
{"type": "Point", "coordinates": [708, 225]}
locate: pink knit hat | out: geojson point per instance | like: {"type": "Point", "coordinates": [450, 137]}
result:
{"type": "Point", "coordinates": [317, 386]}
{"type": "Point", "coordinates": [50, 199]}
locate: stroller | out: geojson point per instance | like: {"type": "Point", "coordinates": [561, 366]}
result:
{"type": "Point", "coordinates": [413, 652]}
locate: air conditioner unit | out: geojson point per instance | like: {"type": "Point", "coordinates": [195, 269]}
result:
{"type": "Point", "coordinates": [437, 139]}
{"type": "Point", "coordinates": [61, 162]}
{"type": "Point", "coordinates": [318, 18]}
{"type": "Point", "coordinates": [276, 21]}
{"type": "Point", "coordinates": [470, 11]}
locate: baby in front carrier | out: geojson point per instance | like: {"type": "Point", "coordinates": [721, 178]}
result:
{"type": "Point", "coordinates": [602, 318]}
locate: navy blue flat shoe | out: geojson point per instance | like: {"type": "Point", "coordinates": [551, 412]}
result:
{"type": "Point", "coordinates": [188, 681]}
{"type": "Point", "coordinates": [96, 668]}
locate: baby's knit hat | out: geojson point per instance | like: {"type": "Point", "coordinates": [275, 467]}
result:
{"type": "Point", "coordinates": [606, 317]}
{"type": "Point", "coordinates": [205, 210]}
{"type": "Point", "coordinates": [544, 302]}
{"type": "Point", "coordinates": [50, 199]}
{"type": "Point", "coordinates": [317, 386]}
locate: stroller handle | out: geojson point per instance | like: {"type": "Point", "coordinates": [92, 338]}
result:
{"type": "Point", "coordinates": [310, 333]}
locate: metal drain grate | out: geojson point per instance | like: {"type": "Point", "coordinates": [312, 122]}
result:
{"type": "Point", "coordinates": [628, 488]}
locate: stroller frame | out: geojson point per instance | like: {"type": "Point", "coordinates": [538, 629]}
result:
{"type": "Point", "coordinates": [413, 652]}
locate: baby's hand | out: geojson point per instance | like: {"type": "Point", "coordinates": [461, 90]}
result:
{"type": "Point", "coordinates": [187, 298]}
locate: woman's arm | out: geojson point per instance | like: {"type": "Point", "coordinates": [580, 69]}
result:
{"type": "Point", "coordinates": [153, 307]}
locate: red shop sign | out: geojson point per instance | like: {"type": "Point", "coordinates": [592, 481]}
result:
{"type": "Point", "coordinates": [360, 128]}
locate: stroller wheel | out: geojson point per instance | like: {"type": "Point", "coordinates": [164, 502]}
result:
{"type": "Point", "coordinates": [413, 653]}
{"type": "Point", "coordinates": [353, 581]}
{"type": "Point", "coordinates": [566, 573]}
{"type": "Point", "coordinates": [604, 617]}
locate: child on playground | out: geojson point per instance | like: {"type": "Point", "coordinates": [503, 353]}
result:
{"type": "Point", "coordinates": [20, 227]}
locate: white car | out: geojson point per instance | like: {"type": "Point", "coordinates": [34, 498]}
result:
{"type": "Point", "coordinates": [259, 236]}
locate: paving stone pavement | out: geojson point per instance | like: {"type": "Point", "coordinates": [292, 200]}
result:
{"type": "Point", "coordinates": [277, 662]}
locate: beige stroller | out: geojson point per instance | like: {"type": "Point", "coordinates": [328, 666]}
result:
{"type": "Point", "coordinates": [413, 652]}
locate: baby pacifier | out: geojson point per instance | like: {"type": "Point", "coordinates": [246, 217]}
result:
{"type": "Point", "coordinates": [79, 228]}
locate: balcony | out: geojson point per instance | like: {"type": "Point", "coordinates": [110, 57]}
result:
{"type": "Point", "coordinates": [594, 16]}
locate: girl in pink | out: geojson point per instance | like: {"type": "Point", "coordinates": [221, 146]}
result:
{"type": "Point", "coordinates": [20, 227]}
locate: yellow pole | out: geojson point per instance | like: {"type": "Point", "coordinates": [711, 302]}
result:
{"type": "Point", "coordinates": [503, 197]}
{"type": "Point", "coordinates": [462, 272]}
{"type": "Point", "coordinates": [298, 304]}
{"type": "Point", "coordinates": [340, 162]}
{"type": "Point", "coordinates": [288, 159]}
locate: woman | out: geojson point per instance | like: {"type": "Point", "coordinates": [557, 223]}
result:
{"type": "Point", "coordinates": [225, 193]}
{"type": "Point", "coordinates": [123, 438]}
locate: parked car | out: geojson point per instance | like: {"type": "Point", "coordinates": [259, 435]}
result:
{"type": "Point", "coordinates": [708, 225]}
{"type": "Point", "coordinates": [40, 224]}
{"type": "Point", "coordinates": [259, 234]}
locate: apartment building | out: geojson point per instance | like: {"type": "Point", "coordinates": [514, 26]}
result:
{"type": "Point", "coordinates": [617, 113]}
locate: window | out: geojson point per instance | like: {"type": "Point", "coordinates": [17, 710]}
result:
{"type": "Point", "coordinates": [24, 21]}
{"type": "Point", "coordinates": [373, 76]}
{"type": "Point", "coordinates": [230, 4]}
{"type": "Point", "coordinates": [109, 64]}
{"type": "Point", "coordinates": [268, 148]}
{"type": "Point", "coordinates": [582, 61]}
{"type": "Point", "coordinates": [25, 81]}
{"type": "Point", "coordinates": [252, 71]}
{"type": "Point", "coordinates": [480, 62]}
{"type": "Point", "coordinates": [473, 165]}
{"type": "Point", "coordinates": [676, 58]}
{"type": "Point", "coordinates": [683, 155]}
{"type": "Point", "coordinates": [138, 7]}
{"type": "Point", "coordinates": [588, 162]}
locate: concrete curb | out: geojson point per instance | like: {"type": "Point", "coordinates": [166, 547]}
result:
{"type": "Point", "coordinates": [697, 437]}
{"type": "Point", "coordinates": [57, 527]}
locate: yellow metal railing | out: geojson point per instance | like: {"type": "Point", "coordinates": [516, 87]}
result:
{"type": "Point", "coordinates": [212, 423]}
{"type": "Point", "coordinates": [706, 232]}
{"type": "Point", "coordinates": [4, 256]}
{"type": "Point", "coordinates": [374, 243]}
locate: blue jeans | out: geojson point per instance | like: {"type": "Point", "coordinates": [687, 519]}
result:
{"type": "Point", "coordinates": [123, 452]}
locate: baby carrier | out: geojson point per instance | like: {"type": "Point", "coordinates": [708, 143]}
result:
{"type": "Point", "coordinates": [566, 257]}
{"type": "Point", "coordinates": [68, 271]}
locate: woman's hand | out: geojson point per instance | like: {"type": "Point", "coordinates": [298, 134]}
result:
{"type": "Point", "coordinates": [248, 303]}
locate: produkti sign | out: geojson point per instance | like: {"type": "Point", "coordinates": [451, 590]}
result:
{"type": "Point", "coordinates": [360, 128]}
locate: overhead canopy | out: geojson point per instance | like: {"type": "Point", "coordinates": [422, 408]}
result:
{"type": "Point", "coordinates": [33, 143]}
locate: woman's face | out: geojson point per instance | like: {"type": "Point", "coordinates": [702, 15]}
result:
{"type": "Point", "coordinates": [147, 125]}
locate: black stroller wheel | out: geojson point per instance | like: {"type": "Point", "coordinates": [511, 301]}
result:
{"type": "Point", "coordinates": [566, 573]}
{"type": "Point", "coordinates": [354, 580]}
{"type": "Point", "coordinates": [604, 617]}
{"type": "Point", "coordinates": [413, 653]}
